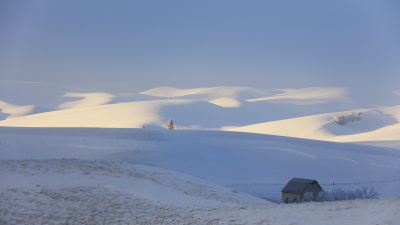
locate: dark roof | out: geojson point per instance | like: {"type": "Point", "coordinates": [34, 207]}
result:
{"type": "Point", "coordinates": [297, 185]}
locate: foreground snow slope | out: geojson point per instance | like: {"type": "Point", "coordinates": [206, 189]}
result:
{"type": "Point", "coordinates": [71, 191]}
{"type": "Point", "coordinates": [256, 164]}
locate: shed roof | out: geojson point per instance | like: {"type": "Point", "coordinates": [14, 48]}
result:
{"type": "Point", "coordinates": [297, 185]}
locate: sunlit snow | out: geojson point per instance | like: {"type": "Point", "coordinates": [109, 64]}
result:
{"type": "Point", "coordinates": [109, 159]}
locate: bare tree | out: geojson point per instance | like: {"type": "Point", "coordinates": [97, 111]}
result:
{"type": "Point", "coordinates": [339, 194]}
{"type": "Point", "coordinates": [369, 192]}
{"type": "Point", "coordinates": [322, 196]}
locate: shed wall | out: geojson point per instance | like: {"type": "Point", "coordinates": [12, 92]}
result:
{"type": "Point", "coordinates": [314, 188]}
{"type": "Point", "coordinates": [290, 195]}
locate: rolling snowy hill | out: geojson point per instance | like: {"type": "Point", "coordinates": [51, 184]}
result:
{"type": "Point", "coordinates": [182, 176]}
{"type": "Point", "coordinates": [241, 160]}
{"type": "Point", "coordinates": [301, 113]}
{"type": "Point", "coordinates": [86, 144]}
{"type": "Point", "coordinates": [380, 124]}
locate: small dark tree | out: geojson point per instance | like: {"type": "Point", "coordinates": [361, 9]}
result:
{"type": "Point", "coordinates": [369, 192]}
{"type": "Point", "coordinates": [294, 200]}
{"type": "Point", "coordinates": [286, 200]}
{"type": "Point", "coordinates": [342, 119]}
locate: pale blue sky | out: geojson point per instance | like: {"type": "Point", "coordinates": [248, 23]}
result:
{"type": "Point", "coordinates": [132, 46]}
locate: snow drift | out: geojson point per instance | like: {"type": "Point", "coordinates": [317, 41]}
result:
{"type": "Point", "coordinates": [15, 110]}
{"type": "Point", "coordinates": [377, 125]}
{"type": "Point", "coordinates": [122, 115]}
{"type": "Point", "coordinates": [89, 100]}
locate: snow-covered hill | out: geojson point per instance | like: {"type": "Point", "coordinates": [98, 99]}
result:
{"type": "Point", "coordinates": [121, 115]}
{"type": "Point", "coordinates": [301, 113]}
{"type": "Point", "coordinates": [274, 104]}
{"type": "Point", "coordinates": [253, 163]}
{"type": "Point", "coordinates": [43, 97]}
{"type": "Point", "coordinates": [55, 164]}
{"type": "Point", "coordinates": [95, 192]}
{"type": "Point", "coordinates": [380, 124]}
{"type": "Point", "coordinates": [115, 175]}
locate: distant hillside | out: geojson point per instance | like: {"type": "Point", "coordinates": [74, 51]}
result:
{"type": "Point", "coordinates": [380, 124]}
{"type": "Point", "coordinates": [303, 113]}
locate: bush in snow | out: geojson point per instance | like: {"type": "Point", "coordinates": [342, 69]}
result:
{"type": "Point", "coordinates": [368, 192]}
{"type": "Point", "coordinates": [308, 197]}
{"type": "Point", "coordinates": [354, 117]}
{"type": "Point", "coordinates": [342, 120]}
{"type": "Point", "coordinates": [354, 194]}
{"type": "Point", "coordinates": [294, 200]}
{"type": "Point", "coordinates": [170, 125]}
{"type": "Point", "coordinates": [286, 200]}
{"type": "Point", "coordinates": [322, 196]}
{"type": "Point", "coordinates": [339, 194]}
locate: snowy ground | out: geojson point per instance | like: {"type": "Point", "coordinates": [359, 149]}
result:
{"type": "Point", "coordinates": [71, 191]}
{"type": "Point", "coordinates": [139, 176]}
{"type": "Point", "coordinates": [89, 164]}
{"type": "Point", "coordinates": [252, 163]}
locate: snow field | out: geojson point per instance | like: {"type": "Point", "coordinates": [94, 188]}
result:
{"type": "Point", "coordinates": [82, 205]}
{"type": "Point", "coordinates": [72, 191]}
{"type": "Point", "coordinates": [75, 191]}
{"type": "Point", "coordinates": [141, 177]}
{"type": "Point", "coordinates": [255, 164]}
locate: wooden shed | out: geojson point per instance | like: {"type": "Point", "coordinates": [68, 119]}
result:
{"type": "Point", "coordinates": [298, 187]}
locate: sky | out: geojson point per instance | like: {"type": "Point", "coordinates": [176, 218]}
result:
{"type": "Point", "coordinates": [132, 46]}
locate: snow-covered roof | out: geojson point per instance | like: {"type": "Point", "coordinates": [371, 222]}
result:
{"type": "Point", "coordinates": [297, 185]}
